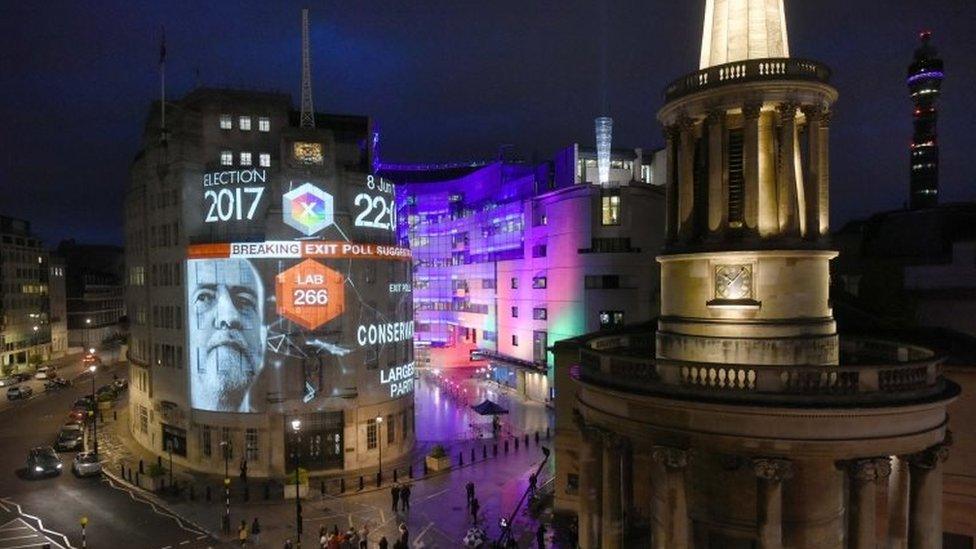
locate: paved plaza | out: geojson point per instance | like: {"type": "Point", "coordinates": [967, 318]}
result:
{"type": "Point", "coordinates": [438, 515]}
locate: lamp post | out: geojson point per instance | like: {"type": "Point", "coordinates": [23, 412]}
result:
{"type": "Point", "coordinates": [169, 448]}
{"type": "Point", "coordinates": [34, 343]}
{"type": "Point", "coordinates": [379, 444]}
{"type": "Point", "coordinates": [94, 403]}
{"type": "Point", "coordinates": [296, 426]}
{"type": "Point", "coordinates": [87, 332]}
{"type": "Point", "coordinates": [225, 448]}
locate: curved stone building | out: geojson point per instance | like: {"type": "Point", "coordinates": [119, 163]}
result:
{"type": "Point", "coordinates": [265, 285]}
{"type": "Point", "coordinates": [744, 419]}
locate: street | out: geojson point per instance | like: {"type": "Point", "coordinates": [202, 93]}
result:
{"type": "Point", "coordinates": [51, 508]}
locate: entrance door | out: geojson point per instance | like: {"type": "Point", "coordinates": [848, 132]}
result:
{"type": "Point", "coordinates": [319, 441]}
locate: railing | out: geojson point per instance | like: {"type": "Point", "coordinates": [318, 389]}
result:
{"type": "Point", "coordinates": [885, 372]}
{"type": "Point", "coordinates": [745, 71]}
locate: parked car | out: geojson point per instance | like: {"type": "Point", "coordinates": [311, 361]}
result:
{"type": "Point", "coordinates": [18, 392]}
{"type": "Point", "coordinates": [78, 414]}
{"type": "Point", "coordinates": [86, 464]}
{"type": "Point", "coordinates": [56, 383]}
{"type": "Point", "coordinates": [8, 381]}
{"type": "Point", "coordinates": [43, 460]}
{"type": "Point", "coordinates": [71, 437]}
{"type": "Point", "coordinates": [121, 384]}
{"type": "Point", "coordinates": [83, 402]}
{"type": "Point", "coordinates": [21, 376]}
{"type": "Point", "coordinates": [43, 372]}
{"type": "Point", "coordinates": [107, 389]}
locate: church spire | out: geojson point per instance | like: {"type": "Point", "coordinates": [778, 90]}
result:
{"type": "Point", "coordinates": [736, 30]}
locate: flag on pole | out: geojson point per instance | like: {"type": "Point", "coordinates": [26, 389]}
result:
{"type": "Point", "coordinates": [162, 47]}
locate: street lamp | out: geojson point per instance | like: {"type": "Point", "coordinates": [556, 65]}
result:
{"type": "Point", "coordinates": [225, 448]}
{"type": "Point", "coordinates": [379, 436]}
{"type": "Point", "coordinates": [87, 332]}
{"type": "Point", "coordinates": [92, 369]}
{"type": "Point", "coordinates": [296, 426]}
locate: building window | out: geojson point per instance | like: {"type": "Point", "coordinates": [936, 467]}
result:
{"type": "Point", "coordinates": [226, 443]}
{"type": "Point", "coordinates": [206, 441]}
{"type": "Point", "coordinates": [514, 340]}
{"type": "Point", "coordinates": [572, 483]}
{"type": "Point", "coordinates": [225, 122]}
{"type": "Point", "coordinates": [610, 200]}
{"type": "Point", "coordinates": [226, 158]}
{"type": "Point", "coordinates": [540, 313]}
{"type": "Point", "coordinates": [244, 123]}
{"type": "Point", "coordinates": [601, 282]}
{"type": "Point", "coordinates": [514, 312]}
{"type": "Point", "coordinates": [251, 443]}
{"type": "Point", "coordinates": [514, 283]}
{"type": "Point", "coordinates": [143, 420]}
{"type": "Point", "coordinates": [265, 160]}
{"type": "Point", "coordinates": [264, 124]}
{"type": "Point", "coordinates": [539, 282]}
{"type": "Point", "coordinates": [371, 435]}
{"type": "Point", "coordinates": [611, 319]}
{"type": "Point", "coordinates": [539, 250]}
{"type": "Point", "coordinates": [390, 430]}
{"type": "Point", "coordinates": [245, 159]}
{"type": "Point", "coordinates": [540, 346]}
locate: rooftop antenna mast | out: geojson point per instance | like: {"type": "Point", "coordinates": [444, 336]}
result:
{"type": "Point", "coordinates": [308, 112]}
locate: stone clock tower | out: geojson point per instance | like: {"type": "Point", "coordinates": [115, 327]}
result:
{"type": "Point", "coordinates": [745, 272]}
{"type": "Point", "coordinates": [742, 419]}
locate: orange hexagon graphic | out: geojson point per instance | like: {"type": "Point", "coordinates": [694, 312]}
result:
{"type": "Point", "coordinates": [310, 294]}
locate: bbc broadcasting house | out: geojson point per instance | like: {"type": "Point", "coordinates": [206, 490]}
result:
{"type": "Point", "coordinates": [265, 284]}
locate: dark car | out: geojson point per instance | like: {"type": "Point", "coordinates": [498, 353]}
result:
{"type": "Point", "coordinates": [83, 402]}
{"type": "Point", "coordinates": [71, 437]}
{"type": "Point", "coordinates": [42, 461]}
{"type": "Point", "coordinates": [19, 391]}
{"type": "Point", "coordinates": [22, 376]}
{"type": "Point", "coordinates": [107, 390]}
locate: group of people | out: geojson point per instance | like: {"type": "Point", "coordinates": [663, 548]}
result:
{"type": "Point", "coordinates": [252, 534]}
{"type": "Point", "coordinates": [350, 539]}
{"type": "Point", "coordinates": [400, 494]}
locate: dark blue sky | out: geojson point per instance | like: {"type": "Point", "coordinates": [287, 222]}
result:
{"type": "Point", "coordinates": [445, 79]}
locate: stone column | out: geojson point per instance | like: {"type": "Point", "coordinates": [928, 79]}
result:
{"type": "Point", "coordinates": [768, 191]}
{"type": "Point", "coordinates": [718, 183]}
{"type": "Point", "coordinates": [612, 537]}
{"type": "Point", "coordinates": [590, 485]}
{"type": "Point", "coordinates": [627, 483]}
{"type": "Point", "coordinates": [824, 173]}
{"type": "Point", "coordinates": [811, 177]}
{"type": "Point", "coordinates": [789, 219]}
{"type": "Point", "coordinates": [674, 533]}
{"type": "Point", "coordinates": [898, 504]}
{"type": "Point", "coordinates": [925, 504]}
{"type": "Point", "coordinates": [671, 140]}
{"type": "Point", "coordinates": [686, 179]}
{"type": "Point", "coordinates": [865, 476]}
{"type": "Point", "coordinates": [770, 473]}
{"type": "Point", "coordinates": [750, 160]}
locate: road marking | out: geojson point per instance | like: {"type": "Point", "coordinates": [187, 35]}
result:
{"type": "Point", "coordinates": [435, 494]}
{"type": "Point", "coordinates": [179, 520]}
{"type": "Point", "coordinates": [185, 542]}
{"type": "Point", "coordinates": [416, 541]}
{"type": "Point", "coordinates": [40, 524]}
{"type": "Point", "coordinates": [38, 539]}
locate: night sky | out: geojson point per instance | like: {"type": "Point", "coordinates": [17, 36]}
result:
{"type": "Point", "coordinates": [445, 80]}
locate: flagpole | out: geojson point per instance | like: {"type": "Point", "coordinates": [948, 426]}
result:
{"type": "Point", "coordinates": [162, 81]}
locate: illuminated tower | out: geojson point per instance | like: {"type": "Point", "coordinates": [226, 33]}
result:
{"type": "Point", "coordinates": [604, 138]}
{"type": "Point", "coordinates": [925, 76]}
{"type": "Point", "coordinates": [744, 419]}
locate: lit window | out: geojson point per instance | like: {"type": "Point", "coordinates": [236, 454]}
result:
{"type": "Point", "coordinates": [371, 434]}
{"type": "Point", "coordinates": [244, 123]}
{"type": "Point", "coordinates": [225, 122]}
{"type": "Point", "coordinates": [245, 159]}
{"type": "Point", "coordinates": [611, 319]}
{"type": "Point", "coordinates": [265, 160]}
{"type": "Point", "coordinates": [251, 444]}
{"type": "Point", "coordinates": [264, 124]}
{"type": "Point", "coordinates": [226, 158]}
{"type": "Point", "coordinates": [540, 313]}
{"type": "Point", "coordinates": [611, 209]}
{"type": "Point", "coordinates": [539, 282]}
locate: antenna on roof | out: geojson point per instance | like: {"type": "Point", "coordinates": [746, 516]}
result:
{"type": "Point", "coordinates": [308, 112]}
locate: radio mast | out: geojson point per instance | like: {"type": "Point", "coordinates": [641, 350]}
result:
{"type": "Point", "coordinates": [308, 112]}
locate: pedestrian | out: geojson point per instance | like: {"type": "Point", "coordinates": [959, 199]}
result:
{"type": "Point", "coordinates": [256, 531]}
{"type": "Point", "coordinates": [383, 543]}
{"type": "Point", "coordinates": [395, 494]}
{"type": "Point", "coordinates": [323, 538]}
{"type": "Point", "coordinates": [469, 488]}
{"type": "Point", "coordinates": [244, 470]}
{"type": "Point", "coordinates": [242, 533]}
{"type": "Point", "coordinates": [333, 539]}
{"type": "Point", "coordinates": [474, 510]}
{"type": "Point", "coordinates": [540, 536]}
{"type": "Point", "coordinates": [364, 536]}
{"type": "Point", "coordinates": [351, 539]}
{"type": "Point", "coordinates": [405, 497]}
{"type": "Point", "coordinates": [533, 480]}
{"type": "Point", "coordinates": [288, 544]}
{"type": "Point", "coordinates": [404, 534]}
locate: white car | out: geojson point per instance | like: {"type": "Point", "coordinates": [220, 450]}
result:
{"type": "Point", "coordinates": [42, 372]}
{"type": "Point", "coordinates": [86, 464]}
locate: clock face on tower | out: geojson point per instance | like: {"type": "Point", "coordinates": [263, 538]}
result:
{"type": "Point", "coordinates": [733, 282]}
{"type": "Point", "coordinates": [308, 153]}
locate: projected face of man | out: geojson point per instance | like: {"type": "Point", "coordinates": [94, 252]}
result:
{"type": "Point", "coordinates": [226, 310]}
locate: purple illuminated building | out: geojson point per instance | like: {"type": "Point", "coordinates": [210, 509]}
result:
{"type": "Point", "coordinates": [511, 257]}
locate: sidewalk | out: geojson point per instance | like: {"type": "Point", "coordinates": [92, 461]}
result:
{"type": "Point", "coordinates": [438, 517]}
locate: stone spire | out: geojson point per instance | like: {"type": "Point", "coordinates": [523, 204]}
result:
{"type": "Point", "coordinates": [736, 30]}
